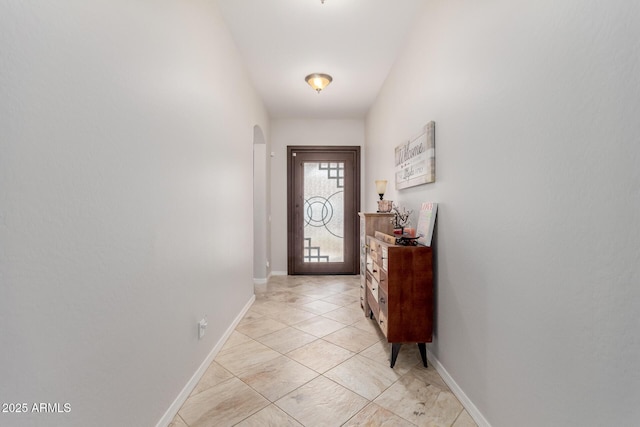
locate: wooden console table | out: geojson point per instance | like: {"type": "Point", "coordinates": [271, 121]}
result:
{"type": "Point", "coordinates": [398, 291]}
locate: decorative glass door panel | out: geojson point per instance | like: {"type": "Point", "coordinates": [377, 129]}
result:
{"type": "Point", "coordinates": [323, 212]}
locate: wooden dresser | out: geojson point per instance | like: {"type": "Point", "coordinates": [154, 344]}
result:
{"type": "Point", "coordinates": [399, 292]}
{"type": "Point", "coordinates": [369, 224]}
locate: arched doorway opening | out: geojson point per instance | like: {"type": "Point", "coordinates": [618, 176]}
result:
{"type": "Point", "coordinates": [261, 266]}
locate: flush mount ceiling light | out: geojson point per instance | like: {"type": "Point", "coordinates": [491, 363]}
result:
{"type": "Point", "coordinates": [318, 81]}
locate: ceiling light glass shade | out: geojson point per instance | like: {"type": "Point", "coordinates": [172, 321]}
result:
{"type": "Point", "coordinates": [318, 81]}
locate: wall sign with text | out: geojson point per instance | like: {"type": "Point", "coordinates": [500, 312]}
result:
{"type": "Point", "coordinates": [415, 160]}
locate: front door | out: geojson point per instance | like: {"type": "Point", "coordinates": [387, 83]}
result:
{"type": "Point", "coordinates": [323, 204]}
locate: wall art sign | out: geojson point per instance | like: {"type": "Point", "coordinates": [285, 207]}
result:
{"type": "Point", "coordinates": [415, 160]}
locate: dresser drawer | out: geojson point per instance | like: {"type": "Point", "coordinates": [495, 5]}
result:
{"type": "Point", "coordinates": [383, 312]}
{"type": "Point", "coordinates": [383, 280]}
{"type": "Point", "coordinates": [373, 305]}
{"type": "Point", "coordinates": [382, 322]}
{"type": "Point", "coordinates": [373, 244]}
{"type": "Point", "coordinates": [383, 301]}
{"type": "Point", "coordinates": [374, 250]}
{"type": "Point", "coordinates": [373, 286]}
{"type": "Point", "coordinates": [384, 258]}
{"type": "Point", "coordinates": [369, 263]}
{"type": "Point", "coordinates": [375, 270]}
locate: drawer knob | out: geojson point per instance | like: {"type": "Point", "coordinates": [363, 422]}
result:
{"type": "Point", "coordinates": [382, 300]}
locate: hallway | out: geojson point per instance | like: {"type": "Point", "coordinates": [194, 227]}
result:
{"type": "Point", "coordinates": [304, 354]}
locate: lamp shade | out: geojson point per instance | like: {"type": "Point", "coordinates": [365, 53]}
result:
{"type": "Point", "coordinates": [318, 81]}
{"type": "Point", "coordinates": [381, 186]}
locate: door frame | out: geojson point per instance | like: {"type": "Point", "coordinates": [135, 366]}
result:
{"type": "Point", "coordinates": [291, 206]}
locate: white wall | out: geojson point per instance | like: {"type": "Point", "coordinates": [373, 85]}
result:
{"type": "Point", "coordinates": [536, 107]}
{"type": "Point", "coordinates": [286, 132]}
{"type": "Point", "coordinates": [126, 139]}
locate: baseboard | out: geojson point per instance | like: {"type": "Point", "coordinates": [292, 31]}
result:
{"type": "Point", "coordinates": [455, 388]}
{"type": "Point", "coordinates": [278, 273]}
{"type": "Point", "coordinates": [271, 273]}
{"type": "Point", "coordinates": [186, 391]}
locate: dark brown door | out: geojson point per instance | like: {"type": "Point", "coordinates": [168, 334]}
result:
{"type": "Point", "coordinates": [323, 203]}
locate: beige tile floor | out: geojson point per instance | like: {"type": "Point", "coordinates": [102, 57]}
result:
{"type": "Point", "coordinates": [305, 355]}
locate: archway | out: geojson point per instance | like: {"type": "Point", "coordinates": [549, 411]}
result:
{"type": "Point", "coordinates": [260, 209]}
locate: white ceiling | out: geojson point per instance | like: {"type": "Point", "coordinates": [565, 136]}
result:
{"type": "Point", "coordinates": [355, 41]}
